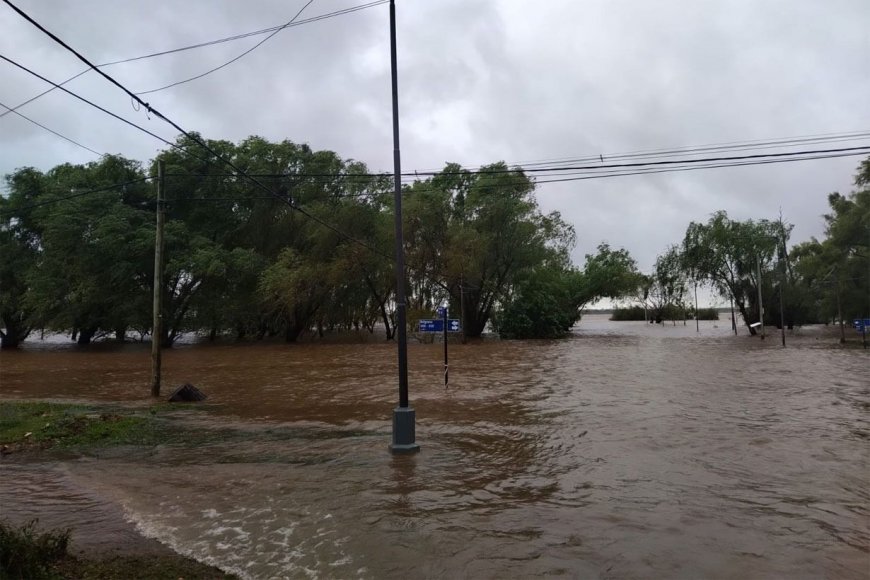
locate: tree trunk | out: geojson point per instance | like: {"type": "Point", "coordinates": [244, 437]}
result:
{"type": "Point", "coordinates": [292, 332]}
{"type": "Point", "coordinates": [840, 315]}
{"type": "Point", "coordinates": [85, 336]}
{"type": "Point", "coordinates": [9, 341]}
{"type": "Point", "coordinates": [386, 317]}
{"type": "Point", "coordinates": [15, 332]}
{"type": "Point", "coordinates": [741, 307]}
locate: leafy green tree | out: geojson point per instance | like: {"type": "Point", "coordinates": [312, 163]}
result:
{"type": "Point", "coordinates": [542, 306]}
{"type": "Point", "coordinates": [89, 258]}
{"type": "Point", "coordinates": [728, 254]}
{"type": "Point", "coordinates": [474, 236]}
{"type": "Point", "coordinates": [832, 276]}
{"type": "Point", "coordinates": [607, 273]}
{"type": "Point", "coordinates": [665, 291]}
{"type": "Point", "coordinates": [18, 254]}
{"type": "Point", "coordinates": [551, 299]}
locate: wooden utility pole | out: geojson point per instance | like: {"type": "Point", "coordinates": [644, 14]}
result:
{"type": "Point", "coordinates": [840, 311]}
{"type": "Point", "coordinates": [157, 326]}
{"type": "Point", "coordinates": [697, 324]}
{"type": "Point", "coordinates": [782, 289]}
{"type": "Point", "coordinates": [760, 305]}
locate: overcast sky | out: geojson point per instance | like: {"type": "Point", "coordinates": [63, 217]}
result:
{"type": "Point", "coordinates": [480, 81]}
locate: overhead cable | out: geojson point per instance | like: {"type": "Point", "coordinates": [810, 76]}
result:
{"type": "Point", "coordinates": [52, 131]}
{"type": "Point", "coordinates": [229, 62]}
{"type": "Point", "coordinates": [187, 134]}
{"type": "Point", "coordinates": [204, 44]}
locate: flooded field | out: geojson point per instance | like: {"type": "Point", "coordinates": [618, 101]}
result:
{"type": "Point", "coordinates": [627, 451]}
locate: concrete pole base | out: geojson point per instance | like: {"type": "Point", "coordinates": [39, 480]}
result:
{"type": "Point", "coordinates": [404, 419]}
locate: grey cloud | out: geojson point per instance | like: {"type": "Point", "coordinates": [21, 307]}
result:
{"type": "Point", "coordinates": [481, 81]}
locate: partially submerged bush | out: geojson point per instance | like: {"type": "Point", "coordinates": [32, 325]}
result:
{"type": "Point", "coordinates": [26, 553]}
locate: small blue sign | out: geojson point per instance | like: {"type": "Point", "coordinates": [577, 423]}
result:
{"type": "Point", "coordinates": [431, 325]}
{"type": "Point", "coordinates": [437, 325]}
{"type": "Point", "coordinates": [861, 324]}
{"type": "Point", "coordinates": [442, 312]}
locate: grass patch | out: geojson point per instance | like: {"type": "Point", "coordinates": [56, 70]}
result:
{"type": "Point", "coordinates": [41, 424]}
{"type": "Point", "coordinates": [25, 553]}
{"type": "Point", "coordinates": [28, 554]}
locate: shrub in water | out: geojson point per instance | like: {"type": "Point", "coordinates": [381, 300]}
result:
{"type": "Point", "coordinates": [25, 553]}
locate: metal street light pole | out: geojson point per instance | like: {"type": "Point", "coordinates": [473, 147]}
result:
{"type": "Point", "coordinates": [404, 417]}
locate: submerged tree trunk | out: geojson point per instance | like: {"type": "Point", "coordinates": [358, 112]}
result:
{"type": "Point", "coordinates": [382, 306]}
{"type": "Point", "coordinates": [15, 331]}
{"type": "Point", "coordinates": [85, 336]}
{"type": "Point", "coordinates": [745, 315]}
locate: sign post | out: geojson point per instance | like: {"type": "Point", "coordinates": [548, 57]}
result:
{"type": "Point", "coordinates": [444, 325]}
{"type": "Point", "coordinates": [443, 312]}
{"type": "Point", "coordinates": [861, 324]}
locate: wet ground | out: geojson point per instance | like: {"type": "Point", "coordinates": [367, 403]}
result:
{"type": "Point", "coordinates": [627, 451]}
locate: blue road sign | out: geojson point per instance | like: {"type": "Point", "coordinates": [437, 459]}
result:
{"type": "Point", "coordinates": [436, 325]}
{"type": "Point", "coordinates": [442, 311]}
{"type": "Point", "coordinates": [860, 324]}
{"type": "Point", "coordinates": [431, 325]}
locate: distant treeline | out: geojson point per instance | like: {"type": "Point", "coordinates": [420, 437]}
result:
{"type": "Point", "coordinates": [633, 313]}
{"type": "Point", "coordinates": [312, 253]}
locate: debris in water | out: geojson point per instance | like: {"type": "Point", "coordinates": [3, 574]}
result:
{"type": "Point", "coordinates": [186, 393]}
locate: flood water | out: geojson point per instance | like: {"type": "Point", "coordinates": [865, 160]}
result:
{"type": "Point", "coordinates": [626, 451]}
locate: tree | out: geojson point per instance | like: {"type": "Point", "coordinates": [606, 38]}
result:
{"type": "Point", "coordinates": [832, 276]}
{"type": "Point", "coordinates": [728, 254]}
{"type": "Point", "coordinates": [608, 273]}
{"type": "Point", "coordinates": [550, 299]}
{"type": "Point", "coordinates": [18, 253]}
{"type": "Point", "coordinates": [475, 236]}
{"type": "Point", "coordinates": [665, 291]}
{"type": "Point", "coordinates": [542, 306]}
{"type": "Point", "coordinates": [89, 262]}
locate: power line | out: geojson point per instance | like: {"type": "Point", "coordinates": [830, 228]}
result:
{"type": "Point", "coordinates": [291, 24]}
{"type": "Point", "coordinates": [556, 170]}
{"type": "Point", "coordinates": [52, 131]}
{"type": "Point", "coordinates": [204, 44]}
{"type": "Point", "coordinates": [73, 196]}
{"type": "Point", "coordinates": [231, 61]}
{"type": "Point", "coordinates": [694, 149]}
{"type": "Point", "coordinates": [175, 125]}
{"type": "Point", "coordinates": [84, 100]}
{"type": "Point", "coordinates": [591, 170]}
{"type": "Point", "coordinates": [45, 92]}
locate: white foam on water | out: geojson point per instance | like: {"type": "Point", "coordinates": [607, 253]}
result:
{"type": "Point", "coordinates": [248, 541]}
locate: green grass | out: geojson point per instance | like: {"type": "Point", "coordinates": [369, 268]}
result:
{"type": "Point", "coordinates": [63, 425]}
{"type": "Point", "coordinates": [26, 553]}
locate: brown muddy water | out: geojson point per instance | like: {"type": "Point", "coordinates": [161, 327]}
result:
{"type": "Point", "coordinates": [627, 451]}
